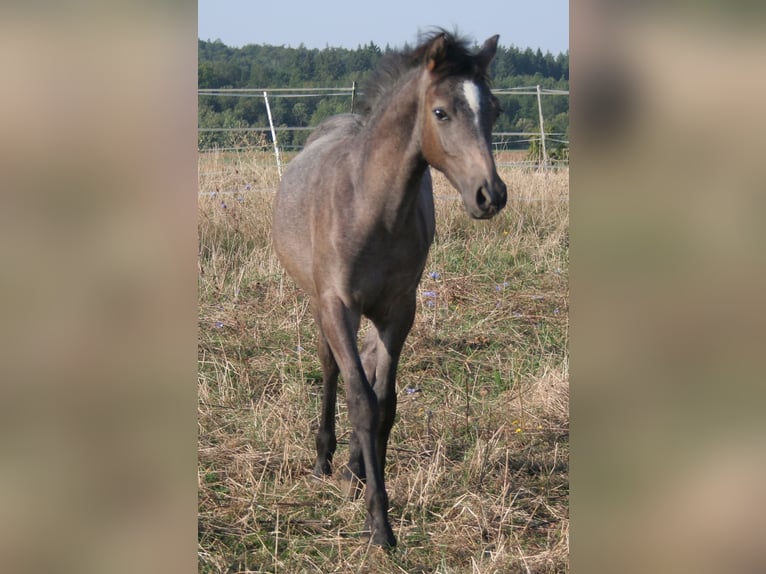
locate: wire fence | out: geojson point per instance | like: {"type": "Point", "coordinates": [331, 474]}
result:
{"type": "Point", "coordinates": [515, 149]}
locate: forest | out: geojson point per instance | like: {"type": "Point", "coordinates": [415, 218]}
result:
{"type": "Point", "coordinates": [268, 67]}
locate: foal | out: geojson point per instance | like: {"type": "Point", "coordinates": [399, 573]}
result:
{"type": "Point", "coordinates": [354, 220]}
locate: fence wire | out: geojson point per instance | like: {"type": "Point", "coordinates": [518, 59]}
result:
{"type": "Point", "coordinates": [501, 141]}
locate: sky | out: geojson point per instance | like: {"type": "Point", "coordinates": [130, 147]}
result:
{"type": "Point", "coordinates": [532, 24]}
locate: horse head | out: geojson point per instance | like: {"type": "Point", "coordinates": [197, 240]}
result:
{"type": "Point", "coordinates": [458, 111]}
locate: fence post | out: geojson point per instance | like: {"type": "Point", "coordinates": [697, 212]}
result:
{"type": "Point", "coordinates": [353, 96]}
{"type": "Point", "coordinates": [542, 127]}
{"type": "Point", "coordinates": [273, 135]}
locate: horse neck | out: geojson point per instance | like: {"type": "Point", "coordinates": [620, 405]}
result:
{"type": "Point", "coordinates": [392, 162]}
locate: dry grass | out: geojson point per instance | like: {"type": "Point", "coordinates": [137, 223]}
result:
{"type": "Point", "coordinates": [478, 458]}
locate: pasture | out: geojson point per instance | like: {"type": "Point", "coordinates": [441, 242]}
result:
{"type": "Point", "coordinates": [478, 471]}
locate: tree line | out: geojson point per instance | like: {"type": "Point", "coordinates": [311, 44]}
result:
{"type": "Point", "coordinates": [264, 66]}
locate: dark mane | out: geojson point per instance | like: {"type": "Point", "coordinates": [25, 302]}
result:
{"type": "Point", "coordinates": [459, 61]}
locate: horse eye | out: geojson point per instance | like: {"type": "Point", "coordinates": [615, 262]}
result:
{"type": "Point", "coordinates": [440, 114]}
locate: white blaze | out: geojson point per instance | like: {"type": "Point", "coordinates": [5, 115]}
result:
{"type": "Point", "coordinates": [473, 97]}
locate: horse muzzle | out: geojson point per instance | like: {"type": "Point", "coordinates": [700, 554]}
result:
{"type": "Point", "coordinates": [490, 198]}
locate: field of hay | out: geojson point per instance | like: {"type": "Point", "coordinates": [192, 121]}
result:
{"type": "Point", "coordinates": [478, 464]}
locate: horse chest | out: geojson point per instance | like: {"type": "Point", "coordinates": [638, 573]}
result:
{"type": "Point", "coordinates": [386, 273]}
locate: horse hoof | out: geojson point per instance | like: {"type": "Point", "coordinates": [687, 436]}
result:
{"type": "Point", "coordinates": [383, 538]}
{"type": "Point", "coordinates": [322, 469]}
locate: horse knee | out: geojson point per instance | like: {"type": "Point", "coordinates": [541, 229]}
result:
{"type": "Point", "coordinates": [387, 407]}
{"type": "Point", "coordinates": [363, 409]}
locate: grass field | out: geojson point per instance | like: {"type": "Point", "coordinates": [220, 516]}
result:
{"type": "Point", "coordinates": [478, 466]}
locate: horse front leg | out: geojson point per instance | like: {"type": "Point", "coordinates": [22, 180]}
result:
{"type": "Point", "coordinates": [354, 473]}
{"type": "Point", "coordinates": [382, 349]}
{"type": "Point", "coordinates": [340, 326]}
{"type": "Point", "coordinates": [391, 334]}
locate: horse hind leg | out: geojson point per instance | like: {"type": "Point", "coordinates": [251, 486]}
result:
{"type": "Point", "coordinates": [325, 440]}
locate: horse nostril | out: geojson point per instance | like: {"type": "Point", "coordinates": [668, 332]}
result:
{"type": "Point", "coordinates": [482, 197]}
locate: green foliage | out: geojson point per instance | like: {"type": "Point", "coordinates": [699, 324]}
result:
{"type": "Point", "coordinates": [554, 144]}
{"type": "Point", "coordinates": [263, 66]}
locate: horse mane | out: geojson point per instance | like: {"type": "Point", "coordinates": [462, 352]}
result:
{"type": "Point", "coordinates": [458, 60]}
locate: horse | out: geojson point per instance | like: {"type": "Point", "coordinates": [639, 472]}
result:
{"type": "Point", "coordinates": [353, 221]}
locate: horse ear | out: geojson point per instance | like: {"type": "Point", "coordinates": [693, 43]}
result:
{"type": "Point", "coordinates": [487, 52]}
{"type": "Point", "coordinates": [437, 52]}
